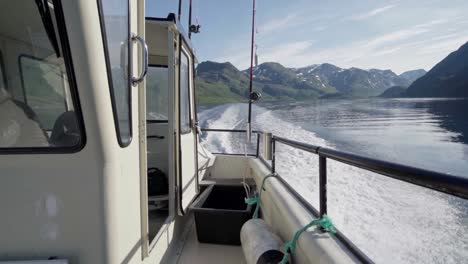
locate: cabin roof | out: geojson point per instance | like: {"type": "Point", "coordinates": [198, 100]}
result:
{"type": "Point", "coordinates": [167, 22]}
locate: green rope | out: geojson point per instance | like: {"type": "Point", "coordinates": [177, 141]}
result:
{"type": "Point", "coordinates": [256, 198]}
{"type": "Point", "coordinates": [290, 247]}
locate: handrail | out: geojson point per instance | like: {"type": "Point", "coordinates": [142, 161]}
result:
{"type": "Point", "coordinates": [445, 183]}
{"type": "Point", "coordinates": [441, 182]}
{"type": "Point", "coordinates": [229, 130]}
{"type": "Point", "coordinates": [257, 152]}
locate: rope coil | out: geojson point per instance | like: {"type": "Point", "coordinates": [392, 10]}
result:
{"type": "Point", "coordinates": [290, 247]}
{"type": "Point", "coordinates": [256, 199]}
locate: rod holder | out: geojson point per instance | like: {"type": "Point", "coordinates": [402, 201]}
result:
{"type": "Point", "coordinates": [267, 146]}
{"type": "Point", "coordinates": [323, 185]}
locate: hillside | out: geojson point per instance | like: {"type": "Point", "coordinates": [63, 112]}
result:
{"type": "Point", "coordinates": [449, 78]}
{"type": "Point", "coordinates": [222, 82]}
{"type": "Point", "coordinates": [394, 92]}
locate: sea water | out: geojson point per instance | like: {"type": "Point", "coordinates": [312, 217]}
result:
{"type": "Point", "coordinates": [389, 220]}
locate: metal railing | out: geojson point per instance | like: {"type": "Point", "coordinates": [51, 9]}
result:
{"type": "Point", "coordinates": [256, 132]}
{"type": "Point", "coordinates": [444, 183]}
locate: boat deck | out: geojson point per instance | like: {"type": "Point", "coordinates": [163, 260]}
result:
{"type": "Point", "coordinates": [196, 252]}
{"type": "Point", "coordinates": [156, 219]}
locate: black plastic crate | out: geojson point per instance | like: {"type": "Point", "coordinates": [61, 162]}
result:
{"type": "Point", "coordinates": [220, 211]}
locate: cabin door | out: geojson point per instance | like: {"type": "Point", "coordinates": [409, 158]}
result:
{"type": "Point", "coordinates": [187, 162]}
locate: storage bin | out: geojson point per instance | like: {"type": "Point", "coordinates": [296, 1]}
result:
{"type": "Point", "coordinates": [220, 211]}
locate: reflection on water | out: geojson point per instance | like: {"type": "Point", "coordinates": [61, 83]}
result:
{"type": "Point", "coordinates": [451, 115]}
{"type": "Point", "coordinates": [426, 133]}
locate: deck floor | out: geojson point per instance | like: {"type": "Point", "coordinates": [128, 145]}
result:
{"type": "Point", "coordinates": [156, 219]}
{"type": "Point", "coordinates": [198, 253]}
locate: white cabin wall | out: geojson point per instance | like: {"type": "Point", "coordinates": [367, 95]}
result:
{"type": "Point", "coordinates": [229, 167]}
{"type": "Point", "coordinates": [84, 207]}
{"type": "Point", "coordinates": [122, 180]}
{"type": "Point", "coordinates": [52, 204]}
{"type": "Point", "coordinates": [117, 169]}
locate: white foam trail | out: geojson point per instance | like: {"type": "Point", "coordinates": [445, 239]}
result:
{"type": "Point", "coordinates": [230, 116]}
{"type": "Point", "coordinates": [391, 221]}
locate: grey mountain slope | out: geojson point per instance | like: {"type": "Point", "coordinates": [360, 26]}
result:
{"type": "Point", "coordinates": [413, 75]}
{"type": "Point", "coordinates": [354, 82]}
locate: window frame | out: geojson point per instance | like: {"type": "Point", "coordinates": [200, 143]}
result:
{"type": "Point", "coordinates": [158, 121]}
{"type": "Point", "coordinates": [4, 76]}
{"type": "Point", "coordinates": [190, 59]}
{"type": "Point", "coordinates": [115, 114]}
{"type": "Point", "coordinates": [70, 71]}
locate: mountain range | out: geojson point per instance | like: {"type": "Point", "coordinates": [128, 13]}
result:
{"type": "Point", "coordinates": [223, 82]}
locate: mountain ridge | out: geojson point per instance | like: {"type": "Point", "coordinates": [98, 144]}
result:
{"type": "Point", "coordinates": [274, 81]}
{"type": "Point", "coordinates": [448, 78]}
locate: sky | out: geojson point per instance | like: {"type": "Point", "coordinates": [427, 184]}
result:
{"type": "Point", "coordinates": [399, 35]}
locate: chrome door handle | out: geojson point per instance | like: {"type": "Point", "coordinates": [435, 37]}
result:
{"type": "Point", "coordinates": [139, 79]}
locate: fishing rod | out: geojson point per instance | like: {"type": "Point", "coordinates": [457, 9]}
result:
{"type": "Point", "coordinates": [253, 96]}
{"type": "Point", "coordinates": [193, 28]}
{"type": "Point", "coordinates": [179, 13]}
{"type": "Point", "coordinates": [190, 20]}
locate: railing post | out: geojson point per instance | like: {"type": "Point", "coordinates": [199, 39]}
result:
{"type": "Point", "coordinates": [258, 144]}
{"type": "Point", "coordinates": [273, 159]}
{"type": "Point", "coordinates": [323, 184]}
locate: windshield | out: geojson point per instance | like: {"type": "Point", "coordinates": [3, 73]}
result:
{"type": "Point", "coordinates": [36, 103]}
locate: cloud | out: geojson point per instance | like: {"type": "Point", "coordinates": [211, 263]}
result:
{"type": "Point", "coordinates": [302, 53]}
{"type": "Point", "coordinates": [396, 50]}
{"type": "Point", "coordinates": [285, 51]}
{"type": "Point", "coordinates": [386, 51]}
{"type": "Point", "coordinates": [319, 28]}
{"type": "Point", "coordinates": [295, 20]}
{"type": "Point", "coordinates": [371, 13]}
{"type": "Point", "coordinates": [418, 46]}
{"type": "Point", "coordinates": [282, 53]}
{"type": "Point", "coordinates": [431, 23]}
{"type": "Point", "coordinates": [447, 45]}
{"type": "Point", "coordinates": [394, 37]}
{"type": "Point", "coordinates": [382, 44]}
{"type": "Point", "coordinates": [277, 24]}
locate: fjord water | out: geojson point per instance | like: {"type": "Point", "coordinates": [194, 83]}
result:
{"type": "Point", "coordinates": [425, 133]}
{"type": "Point", "coordinates": [391, 221]}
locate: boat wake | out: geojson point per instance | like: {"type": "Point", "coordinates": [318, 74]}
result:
{"type": "Point", "coordinates": [391, 221]}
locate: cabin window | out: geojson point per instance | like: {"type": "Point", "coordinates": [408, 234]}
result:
{"type": "Point", "coordinates": [43, 87]}
{"type": "Point", "coordinates": [116, 33]}
{"type": "Point", "coordinates": [37, 109]}
{"type": "Point", "coordinates": [184, 94]}
{"type": "Point", "coordinates": [157, 94]}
